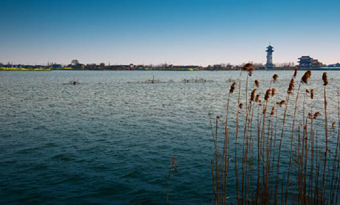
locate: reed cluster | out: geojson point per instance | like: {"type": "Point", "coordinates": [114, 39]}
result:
{"type": "Point", "coordinates": [273, 151]}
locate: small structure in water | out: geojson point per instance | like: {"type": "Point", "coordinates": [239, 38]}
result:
{"type": "Point", "coordinates": [153, 80]}
{"type": "Point", "coordinates": [73, 82]}
{"type": "Point", "coordinates": [197, 80]}
{"type": "Point", "coordinates": [230, 80]}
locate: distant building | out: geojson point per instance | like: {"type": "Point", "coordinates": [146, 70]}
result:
{"type": "Point", "coordinates": [218, 67]}
{"type": "Point", "coordinates": [269, 64]}
{"type": "Point", "coordinates": [55, 66]}
{"type": "Point", "coordinates": [308, 62]}
{"type": "Point", "coordinates": [91, 66]}
{"type": "Point", "coordinates": [334, 65]}
{"type": "Point", "coordinates": [102, 66]}
{"type": "Point", "coordinates": [74, 62]}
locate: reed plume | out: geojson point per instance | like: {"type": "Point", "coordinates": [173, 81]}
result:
{"type": "Point", "coordinates": [273, 91]}
{"type": "Point", "coordinates": [247, 66]}
{"type": "Point", "coordinates": [282, 102]}
{"type": "Point", "coordinates": [317, 114]}
{"type": "Point", "coordinates": [306, 77]}
{"type": "Point", "coordinates": [295, 72]}
{"type": "Point", "coordinates": [291, 86]}
{"type": "Point", "coordinates": [232, 87]}
{"type": "Point", "coordinates": [272, 112]}
{"type": "Point", "coordinates": [257, 83]}
{"type": "Point", "coordinates": [275, 77]}
{"type": "Point", "coordinates": [173, 168]}
{"type": "Point", "coordinates": [310, 116]}
{"type": "Point", "coordinates": [258, 98]}
{"type": "Point", "coordinates": [252, 95]}
{"type": "Point", "coordinates": [325, 79]}
{"type": "Point", "coordinates": [267, 95]}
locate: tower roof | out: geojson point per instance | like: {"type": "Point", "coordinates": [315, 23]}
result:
{"type": "Point", "coordinates": [270, 48]}
{"type": "Point", "coordinates": [305, 57]}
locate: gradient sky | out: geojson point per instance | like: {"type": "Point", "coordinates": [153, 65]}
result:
{"type": "Point", "coordinates": [198, 32]}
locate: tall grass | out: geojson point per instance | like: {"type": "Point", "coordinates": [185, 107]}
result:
{"type": "Point", "coordinates": [278, 155]}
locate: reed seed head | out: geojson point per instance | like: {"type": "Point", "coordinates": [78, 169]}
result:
{"type": "Point", "coordinates": [273, 92]}
{"type": "Point", "coordinates": [247, 67]}
{"type": "Point", "coordinates": [282, 102]}
{"type": "Point", "coordinates": [291, 86]}
{"type": "Point", "coordinates": [310, 116]}
{"type": "Point", "coordinates": [250, 71]}
{"type": "Point", "coordinates": [257, 83]}
{"type": "Point", "coordinates": [306, 77]}
{"type": "Point", "coordinates": [312, 94]}
{"type": "Point", "coordinates": [240, 106]}
{"type": "Point", "coordinates": [272, 111]}
{"type": "Point", "coordinates": [275, 77]}
{"type": "Point", "coordinates": [325, 79]}
{"type": "Point", "coordinates": [252, 95]}
{"type": "Point", "coordinates": [316, 115]}
{"type": "Point", "coordinates": [266, 96]}
{"type": "Point", "coordinates": [232, 87]}
{"type": "Point", "coordinates": [173, 163]}
{"type": "Point", "coordinates": [307, 91]}
{"type": "Point", "coordinates": [295, 72]}
{"type": "Point", "coordinates": [257, 99]}
{"type": "Point", "coordinates": [333, 124]}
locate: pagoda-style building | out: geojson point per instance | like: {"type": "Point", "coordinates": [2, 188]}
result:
{"type": "Point", "coordinates": [269, 64]}
{"type": "Point", "coordinates": [308, 62]}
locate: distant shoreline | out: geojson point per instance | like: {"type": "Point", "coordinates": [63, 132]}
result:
{"type": "Point", "coordinates": [49, 70]}
{"type": "Point", "coordinates": [165, 69]}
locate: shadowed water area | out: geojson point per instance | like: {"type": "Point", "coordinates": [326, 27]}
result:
{"type": "Point", "coordinates": [109, 139]}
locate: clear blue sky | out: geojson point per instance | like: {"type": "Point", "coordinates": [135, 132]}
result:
{"type": "Point", "coordinates": [174, 31]}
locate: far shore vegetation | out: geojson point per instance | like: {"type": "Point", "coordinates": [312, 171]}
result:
{"type": "Point", "coordinates": [76, 65]}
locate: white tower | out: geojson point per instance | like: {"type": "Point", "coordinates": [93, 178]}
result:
{"type": "Point", "coordinates": [269, 64]}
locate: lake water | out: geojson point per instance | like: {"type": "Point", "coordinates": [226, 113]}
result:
{"type": "Point", "coordinates": [109, 139]}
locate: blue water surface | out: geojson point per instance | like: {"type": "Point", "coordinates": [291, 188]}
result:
{"type": "Point", "coordinates": [109, 139]}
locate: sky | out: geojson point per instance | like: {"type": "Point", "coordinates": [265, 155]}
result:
{"type": "Point", "coordinates": [199, 32]}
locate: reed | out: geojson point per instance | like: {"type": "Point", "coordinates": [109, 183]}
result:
{"type": "Point", "coordinates": [173, 168]}
{"type": "Point", "coordinates": [325, 80]}
{"type": "Point", "coordinates": [278, 155]}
